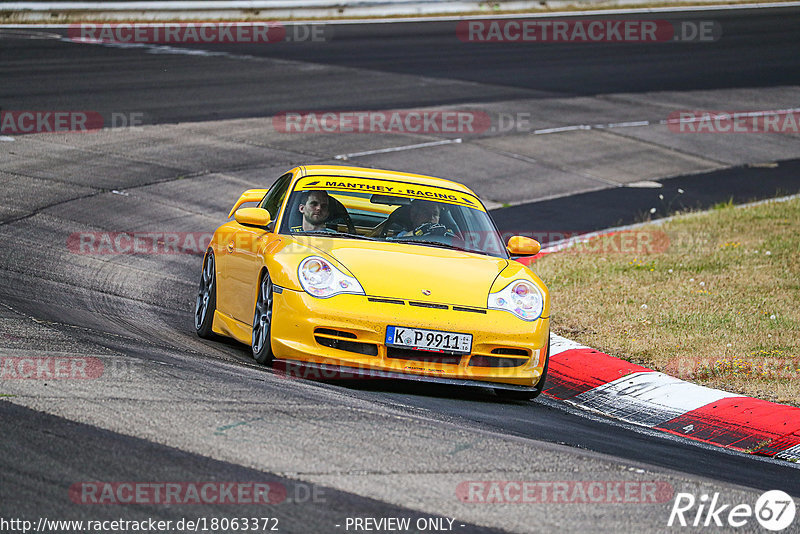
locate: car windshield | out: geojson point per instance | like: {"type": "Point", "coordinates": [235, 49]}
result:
{"type": "Point", "coordinates": [395, 212]}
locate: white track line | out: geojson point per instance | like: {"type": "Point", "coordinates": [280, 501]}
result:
{"type": "Point", "coordinates": [397, 149]}
{"type": "Point", "coordinates": [708, 114]}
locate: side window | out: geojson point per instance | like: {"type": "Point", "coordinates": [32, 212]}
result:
{"type": "Point", "coordinates": [274, 197]}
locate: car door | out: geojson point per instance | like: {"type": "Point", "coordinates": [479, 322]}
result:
{"type": "Point", "coordinates": [243, 256]}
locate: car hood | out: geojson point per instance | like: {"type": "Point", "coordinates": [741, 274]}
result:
{"type": "Point", "coordinates": [408, 272]}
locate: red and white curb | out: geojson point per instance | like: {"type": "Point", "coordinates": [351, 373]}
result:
{"type": "Point", "coordinates": [614, 387]}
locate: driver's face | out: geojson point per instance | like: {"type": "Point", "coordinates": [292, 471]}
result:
{"type": "Point", "coordinates": [315, 210]}
{"type": "Point", "coordinates": [424, 213]}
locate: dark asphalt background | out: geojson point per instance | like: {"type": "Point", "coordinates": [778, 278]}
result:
{"type": "Point", "coordinates": [759, 49]}
{"type": "Point", "coordinates": [607, 208]}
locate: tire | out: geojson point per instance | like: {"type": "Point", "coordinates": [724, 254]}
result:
{"type": "Point", "coordinates": [530, 394]}
{"type": "Point", "coordinates": [206, 303]}
{"type": "Point", "coordinates": [262, 323]}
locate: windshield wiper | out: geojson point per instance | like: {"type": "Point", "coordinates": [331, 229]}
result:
{"type": "Point", "coordinates": [436, 244]}
{"type": "Point", "coordinates": [330, 233]}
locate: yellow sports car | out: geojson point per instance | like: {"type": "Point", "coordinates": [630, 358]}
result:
{"type": "Point", "coordinates": [378, 273]}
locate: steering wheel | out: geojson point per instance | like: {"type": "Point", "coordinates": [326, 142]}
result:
{"type": "Point", "coordinates": [345, 218]}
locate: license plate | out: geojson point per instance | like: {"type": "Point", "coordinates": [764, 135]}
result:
{"type": "Point", "coordinates": [431, 340]}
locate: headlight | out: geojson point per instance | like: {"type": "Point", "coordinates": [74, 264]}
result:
{"type": "Point", "coordinates": [321, 279]}
{"type": "Point", "coordinates": [521, 298]}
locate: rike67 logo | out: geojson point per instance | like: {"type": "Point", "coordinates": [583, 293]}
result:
{"type": "Point", "coordinates": [774, 510]}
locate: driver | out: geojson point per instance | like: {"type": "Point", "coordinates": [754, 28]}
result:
{"type": "Point", "coordinates": [315, 210]}
{"type": "Point", "coordinates": [424, 216]}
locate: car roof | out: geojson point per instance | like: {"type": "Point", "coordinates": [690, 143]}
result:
{"type": "Point", "coordinates": [381, 174]}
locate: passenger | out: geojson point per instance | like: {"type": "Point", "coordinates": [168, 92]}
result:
{"type": "Point", "coordinates": [424, 216]}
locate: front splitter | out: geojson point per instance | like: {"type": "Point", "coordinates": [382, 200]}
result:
{"type": "Point", "coordinates": [323, 371]}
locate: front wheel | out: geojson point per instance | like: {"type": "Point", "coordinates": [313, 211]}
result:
{"type": "Point", "coordinates": [530, 394]}
{"type": "Point", "coordinates": [262, 323]}
{"type": "Point", "coordinates": [206, 302]}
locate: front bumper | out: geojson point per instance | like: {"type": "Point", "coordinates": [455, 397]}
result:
{"type": "Point", "coordinates": [350, 330]}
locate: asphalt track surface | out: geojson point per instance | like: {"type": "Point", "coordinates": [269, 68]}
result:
{"type": "Point", "coordinates": [758, 49]}
{"type": "Point", "coordinates": [622, 206]}
{"type": "Point", "coordinates": [183, 409]}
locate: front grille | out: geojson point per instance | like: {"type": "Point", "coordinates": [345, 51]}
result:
{"type": "Point", "coordinates": [493, 361]}
{"type": "Point", "coordinates": [420, 304]}
{"type": "Point", "coordinates": [428, 305]}
{"type": "Point", "coordinates": [367, 349]}
{"type": "Point", "coordinates": [511, 351]}
{"type": "Point", "coordinates": [422, 356]}
{"type": "Point", "coordinates": [465, 309]}
{"type": "Point", "coordinates": [332, 332]}
{"type": "Point", "coordinates": [386, 301]}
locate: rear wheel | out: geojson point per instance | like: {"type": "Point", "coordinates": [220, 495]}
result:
{"type": "Point", "coordinates": [530, 394]}
{"type": "Point", "coordinates": [206, 302]}
{"type": "Point", "coordinates": [262, 323]}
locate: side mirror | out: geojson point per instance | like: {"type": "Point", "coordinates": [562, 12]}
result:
{"type": "Point", "coordinates": [252, 216]}
{"type": "Point", "coordinates": [523, 246]}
